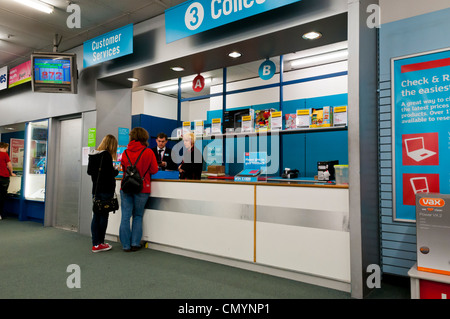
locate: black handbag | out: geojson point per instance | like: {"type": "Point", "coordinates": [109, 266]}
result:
{"type": "Point", "coordinates": [105, 206]}
{"type": "Point", "coordinates": [102, 206]}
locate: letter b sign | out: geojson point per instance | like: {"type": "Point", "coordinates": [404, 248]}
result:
{"type": "Point", "coordinates": [267, 70]}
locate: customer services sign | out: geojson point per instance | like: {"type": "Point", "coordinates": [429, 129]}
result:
{"type": "Point", "coordinates": [421, 128]}
{"type": "Point", "coordinates": [108, 46]}
{"type": "Point", "coordinates": [195, 16]}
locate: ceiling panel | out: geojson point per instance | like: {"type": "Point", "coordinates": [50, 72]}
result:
{"type": "Point", "coordinates": [30, 30]}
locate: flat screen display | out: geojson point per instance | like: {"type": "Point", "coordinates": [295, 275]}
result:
{"type": "Point", "coordinates": [52, 71]}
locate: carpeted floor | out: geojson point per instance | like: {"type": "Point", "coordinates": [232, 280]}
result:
{"type": "Point", "coordinates": [34, 263]}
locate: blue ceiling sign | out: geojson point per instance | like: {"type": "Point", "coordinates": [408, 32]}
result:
{"type": "Point", "coordinates": [267, 70]}
{"type": "Point", "coordinates": [108, 46]}
{"type": "Point", "coordinates": [195, 16]}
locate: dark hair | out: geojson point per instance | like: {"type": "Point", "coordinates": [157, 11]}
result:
{"type": "Point", "coordinates": [139, 134]}
{"type": "Point", "coordinates": [4, 145]}
{"type": "Point", "coordinates": [162, 135]}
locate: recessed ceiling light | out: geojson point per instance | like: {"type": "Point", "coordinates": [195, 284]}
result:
{"type": "Point", "coordinates": [234, 54]}
{"type": "Point", "coordinates": [133, 79]}
{"type": "Point", "coordinates": [313, 35]}
{"type": "Point", "coordinates": [177, 68]}
{"type": "Point", "coordinates": [38, 5]}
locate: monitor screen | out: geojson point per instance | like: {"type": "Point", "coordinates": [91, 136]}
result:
{"type": "Point", "coordinates": [54, 72]}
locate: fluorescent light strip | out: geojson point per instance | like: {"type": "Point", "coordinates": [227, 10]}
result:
{"type": "Point", "coordinates": [320, 59]}
{"type": "Point", "coordinates": [184, 85]}
{"type": "Point", "coordinates": [38, 5]}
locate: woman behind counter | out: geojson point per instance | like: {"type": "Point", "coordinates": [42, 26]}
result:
{"type": "Point", "coordinates": [192, 164]}
{"type": "Point", "coordinates": [103, 173]}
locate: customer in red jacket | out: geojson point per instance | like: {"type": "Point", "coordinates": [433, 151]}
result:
{"type": "Point", "coordinates": [6, 170]}
{"type": "Point", "coordinates": [133, 205]}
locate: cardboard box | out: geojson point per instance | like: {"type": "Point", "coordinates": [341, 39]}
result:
{"type": "Point", "coordinates": [433, 232]}
{"type": "Point", "coordinates": [232, 121]}
{"type": "Point", "coordinates": [322, 117]}
{"type": "Point", "coordinates": [216, 169]}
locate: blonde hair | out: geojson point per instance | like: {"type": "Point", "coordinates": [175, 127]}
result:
{"type": "Point", "coordinates": [190, 136]}
{"type": "Point", "coordinates": [109, 144]}
{"type": "Point", "coordinates": [140, 134]}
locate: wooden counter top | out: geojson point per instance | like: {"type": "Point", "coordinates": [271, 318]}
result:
{"type": "Point", "coordinates": [260, 183]}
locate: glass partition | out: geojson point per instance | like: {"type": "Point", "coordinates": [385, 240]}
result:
{"type": "Point", "coordinates": [14, 135]}
{"type": "Point", "coordinates": [36, 160]}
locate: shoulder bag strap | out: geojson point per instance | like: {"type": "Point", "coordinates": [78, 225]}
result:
{"type": "Point", "coordinates": [98, 175]}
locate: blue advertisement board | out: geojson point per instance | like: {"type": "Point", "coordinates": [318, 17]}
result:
{"type": "Point", "coordinates": [195, 16]}
{"type": "Point", "coordinates": [421, 129]}
{"type": "Point", "coordinates": [108, 46]}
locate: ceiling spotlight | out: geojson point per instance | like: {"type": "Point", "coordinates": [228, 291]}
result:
{"type": "Point", "coordinates": [38, 5]}
{"type": "Point", "coordinates": [234, 54]}
{"type": "Point", "coordinates": [133, 79]}
{"type": "Point", "coordinates": [177, 68]}
{"type": "Point", "coordinates": [313, 35]}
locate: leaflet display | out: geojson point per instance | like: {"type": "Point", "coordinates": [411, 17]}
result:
{"type": "Point", "coordinates": [433, 232]}
{"type": "Point", "coordinates": [255, 164]}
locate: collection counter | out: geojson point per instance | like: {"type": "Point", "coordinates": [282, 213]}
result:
{"type": "Point", "coordinates": [298, 231]}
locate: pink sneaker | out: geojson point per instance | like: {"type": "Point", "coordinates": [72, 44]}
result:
{"type": "Point", "coordinates": [101, 247]}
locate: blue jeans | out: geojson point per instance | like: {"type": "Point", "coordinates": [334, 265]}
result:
{"type": "Point", "coordinates": [133, 205]}
{"type": "Point", "coordinates": [100, 222]}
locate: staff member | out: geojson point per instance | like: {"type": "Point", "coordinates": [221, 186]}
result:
{"type": "Point", "coordinates": [6, 170]}
{"type": "Point", "coordinates": [163, 153]}
{"type": "Point", "coordinates": [192, 164]}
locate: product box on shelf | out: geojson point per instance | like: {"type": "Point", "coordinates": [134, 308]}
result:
{"type": "Point", "coordinates": [325, 170]}
{"type": "Point", "coordinates": [322, 117]}
{"type": "Point", "coordinates": [289, 121]}
{"type": "Point", "coordinates": [340, 115]}
{"type": "Point", "coordinates": [232, 120]}
{"type": "Point", "coordinates": [433, 232]}
{"type": "Point", "coordinates": [263, 120]}
{"type": "Point", "coordinates": [303, 118]}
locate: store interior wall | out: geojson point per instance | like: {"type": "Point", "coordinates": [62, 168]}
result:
{"type": "Point", "coordinates": [394, 10]}
{"type": "Point", "coordinates": [363, 145]}
{"type": "Point", "coordinates": [412, 35]}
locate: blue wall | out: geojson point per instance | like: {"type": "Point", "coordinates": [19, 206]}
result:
{"type": "Point", "coordinates": [300, 150]}
{"type": "Point", "coordinates": [409, 36]}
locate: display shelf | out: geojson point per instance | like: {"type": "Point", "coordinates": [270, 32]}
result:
{"type": "Point", "coordinates": [281, 132]}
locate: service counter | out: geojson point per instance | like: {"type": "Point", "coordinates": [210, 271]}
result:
{"type": "Point", "coordinates": [298, 231]}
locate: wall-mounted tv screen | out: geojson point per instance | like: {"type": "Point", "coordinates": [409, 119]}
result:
{"type": "Point", "coordinates": [54, 72]}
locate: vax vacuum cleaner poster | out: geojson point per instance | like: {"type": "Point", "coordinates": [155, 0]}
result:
{"type": "Point", "coordinates": [420, 129]}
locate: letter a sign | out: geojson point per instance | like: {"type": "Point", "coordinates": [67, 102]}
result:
{"type": "Point", "coordinates": [199, 83]}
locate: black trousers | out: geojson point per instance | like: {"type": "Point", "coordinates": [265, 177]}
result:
{"type": "Point", "coordinates": [4, 184]}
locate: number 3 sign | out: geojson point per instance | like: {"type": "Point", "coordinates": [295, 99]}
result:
{"type": "Point", "coordinates": [194, 16]}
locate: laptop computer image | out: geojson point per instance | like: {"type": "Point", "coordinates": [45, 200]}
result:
{"type": "Point", "coordinates": [415, 148]}
{"type": "Point", "coordinates": [419, 185]}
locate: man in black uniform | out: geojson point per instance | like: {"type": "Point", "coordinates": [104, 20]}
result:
{"type": "Point", "coordinates": [163, 153]}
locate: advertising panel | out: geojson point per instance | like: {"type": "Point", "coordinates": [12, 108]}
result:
{"type": "Point", "coordinates": [4, 78]}
{"type": "Point", "coordinates": [195, 16]}
{"type": "Point", "coordinates": [420, 129]}
{"type": "Point", "coordinates": [20, 74]}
